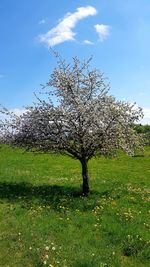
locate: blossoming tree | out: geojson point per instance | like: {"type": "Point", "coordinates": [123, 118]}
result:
{"type": "Point", "coordinates": [78, 118]}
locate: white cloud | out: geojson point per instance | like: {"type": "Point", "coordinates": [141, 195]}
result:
{"type": "Point", "coordinates": [43, 21]}
{"type": "Point", "coordinates": [63, 31]}
{"type": "Point", "coordinates": [103, 31]}
{"type": "Point", "coordinates": [146, 113]}
{"type": "Point", "coordinates": [88, 42]}
{"type": "Point", "coordinates": [146, 119]}
{"type": "Point", "coordinates": [16, 111]}
{"type": "Point", "coordinates": [141, 94]}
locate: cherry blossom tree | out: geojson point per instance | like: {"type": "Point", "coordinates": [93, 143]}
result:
{"type": "Point", "coordinates": [77, 118]}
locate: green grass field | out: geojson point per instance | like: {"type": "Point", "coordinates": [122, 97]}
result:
{"type": "Point", "coordinates": [44, 222]}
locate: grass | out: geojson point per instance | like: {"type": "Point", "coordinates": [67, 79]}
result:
{"type": "Point", "coordinates": [44, 222]}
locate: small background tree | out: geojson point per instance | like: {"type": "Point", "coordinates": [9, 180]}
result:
{"type": "Point", "coordinates": [144, 131]}
{"type": "Point", "coordinates": [77, 118]}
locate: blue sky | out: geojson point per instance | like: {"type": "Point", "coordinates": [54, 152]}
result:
{"type": "Point", "coordinates": [115, 32]}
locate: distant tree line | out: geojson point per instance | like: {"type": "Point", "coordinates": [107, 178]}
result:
{"type": "Point", "coordinates": [143, 130]}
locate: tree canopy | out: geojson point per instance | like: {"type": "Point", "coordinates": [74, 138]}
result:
{"type": "Point", "coordinates": [77, 117]}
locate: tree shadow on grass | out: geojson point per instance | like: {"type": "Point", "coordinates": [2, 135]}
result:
{"type": "Point", "coordinates": [49, 195]}
{"type": "Point", "coordinates": [52, 196]}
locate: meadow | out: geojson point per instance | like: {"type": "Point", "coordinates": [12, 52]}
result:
{"type": "Point", "coordinates": [45, 222]}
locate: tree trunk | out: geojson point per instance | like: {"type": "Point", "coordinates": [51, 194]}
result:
{"type": "Point", "coordinates": [85, 186]}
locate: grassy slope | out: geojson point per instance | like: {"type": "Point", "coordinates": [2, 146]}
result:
{"type": "Point", "coordinates": [44, 223]}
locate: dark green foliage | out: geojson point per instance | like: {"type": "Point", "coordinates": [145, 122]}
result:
{"type": "Point", "coordinates": [141, 128]}
{"type": "Point", "coordinates": [144, 130]}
